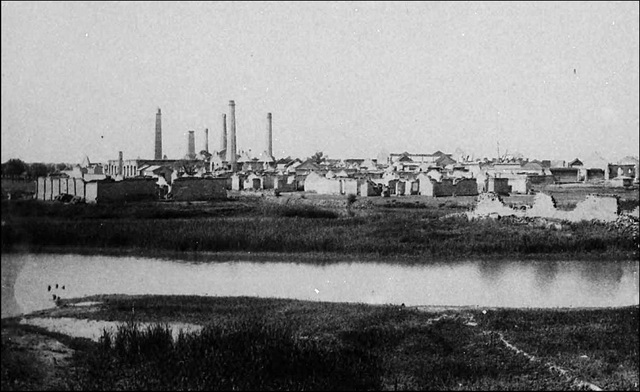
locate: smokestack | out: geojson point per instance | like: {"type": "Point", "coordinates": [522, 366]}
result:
{"type": "Point", "coordinates": [231, 154]}
{"type": "Point", "coordinates": [206, 139]}
{"type": "Point", "coordinates": [158, 153]}
{"type": "Point", "coordinates": [120, 163]}
{"type": "Point", "coordinates": [224, 138]}
{"type": "Point", "coordinates": [191, 153]}
{"type": "Point", "coordinates": [269, 136]}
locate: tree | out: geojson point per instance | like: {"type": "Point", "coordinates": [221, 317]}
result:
{"type": "Point", "coordinates": [63, 166]}
{"type": "Point", "coordinates": [318, 157]}
{"type": "Point", "coordinates": [187, 167]}
{"type": "Point", "coordinates": [14, 168]}
{"type": "Point", "coordinates": [37, 170]}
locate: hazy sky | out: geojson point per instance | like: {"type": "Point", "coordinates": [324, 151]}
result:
{"type": "Point", "coordinates": [548, 80]}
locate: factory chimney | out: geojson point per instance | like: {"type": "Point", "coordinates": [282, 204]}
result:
{"type": "Point", "coordinates": [120, 163]}
{"type": "Point", "coordinates": [158, 153]}
{"type": "Point", "coordinates": [231, 154]}
{"type": "Point", "coordinates": [206, 139]}
{"type": "Point", "coordinates": [191, 153]}
{"type": "Point", "coordinates": [223, 142]}
{"type": "Point", "coordinates": [269, 137]}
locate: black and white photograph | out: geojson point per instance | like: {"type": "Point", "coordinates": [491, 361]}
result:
{"type": "Point", "coordinates": [327, 195]}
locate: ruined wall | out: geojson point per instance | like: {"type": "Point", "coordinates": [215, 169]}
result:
{"type": "Point", "coordinates": [79, 187]}
{"type": "Point", "coordinates": [367, 188]}
{"type": "Point", "coordinates": [594, 207]}
{"type": "Point", "coordinates": [537, 182]}
{"type": "Point", "coordinates": [393, 186]}
{"type": "Point", "coordinates": [64, 186]}
{"type": "Point", "coordinates": [196, 189]}
{"type": "Point", "coordinates": [237, 183]}
{"type": "Point", "coordinates": [113, 191]}
{"type": "Point", "coordinates": [91, 192]}
{"type": "Point", "coordinates": [55, 188]}
{"type": "Point", "coordinates": [401, 188]}
{"type": "Point", "coordinates": [41, 188]}
{"type": "Point", "coordinates": [448, 187]}
{"type": "Point", "coordinates": [426, 187]}
{"type": "Point", "coordinates": [625, 170]}
{"type": "Point", "coordinates": [349, 185]}
{"type": "Point", "coordinates": [604, 208]}
{"type": "Point", "coordinates": [595, 174]}
{"type": "Point", "coordinates": [323, 186]}
{"type": "Point", "coordinates": [466, 187]}
{"type": "Point", "coordinates": [283, 184]}
{"type": "Point", "coordinates": [519, 184]}
{"type": "Point", "coordinates": [565, 175]}
{"type": "Point", "coordinates": [498, 186]}
{"type": "Point", "coordinates": [268, 182]}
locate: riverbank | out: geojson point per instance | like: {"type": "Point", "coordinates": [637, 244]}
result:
{"type": "Point", "coordinates": [397, 231]}
{"type": "Point", "coordinates": [385, 347]}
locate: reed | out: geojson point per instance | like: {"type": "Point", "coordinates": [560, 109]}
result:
{"type": "Point", "coordinates": [249, 354]}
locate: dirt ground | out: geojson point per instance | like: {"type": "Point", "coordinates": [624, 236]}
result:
{"type": "Point", "coordinates": [47, 361]}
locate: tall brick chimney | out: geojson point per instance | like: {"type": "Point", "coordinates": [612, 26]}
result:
{"type": "Point", "coordinates": [269, 136]}
{"type": "Point", "coordinates": [120, 163]}
{"type": "Point", "coordinates": [191, 153]}
{"type": "Point", "coordinates": [223, 142]}
{"type": "Point", "coordinates": [231, 154]}
{"type": "Point", "coordinates": [158, 153]}
{"type": "Point", "coordinates": [206, 139]}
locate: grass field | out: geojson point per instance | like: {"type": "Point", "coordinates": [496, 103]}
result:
{"type": "Point", "coordinates": [257, 343]}
{"type": "Point", "coordinates": [408, 229]}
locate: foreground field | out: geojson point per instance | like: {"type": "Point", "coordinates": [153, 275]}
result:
{"type": "Point", "coordinates": [405, 229]}
{"type": "Point", "coordinates": [254, 343]}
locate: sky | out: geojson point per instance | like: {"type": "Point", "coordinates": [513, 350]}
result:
{"type": "Point", "coordinates": [351, 79]}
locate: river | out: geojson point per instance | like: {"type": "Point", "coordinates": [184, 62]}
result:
{"type": "Point", "coordinates": [29, 281]}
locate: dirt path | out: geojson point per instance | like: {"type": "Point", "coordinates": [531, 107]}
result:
{"type": "Point", "coordinates": [468, 320]}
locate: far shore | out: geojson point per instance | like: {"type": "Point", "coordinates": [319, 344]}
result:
{"type": "Point", "coordinates": [313, 257]}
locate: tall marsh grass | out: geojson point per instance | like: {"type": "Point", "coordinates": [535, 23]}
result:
{"type": "Point", "coordinates": [247, 355]}
{"type": "Point", "coordinates": [302, 228]}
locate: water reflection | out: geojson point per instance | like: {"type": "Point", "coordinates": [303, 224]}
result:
{"type": "Point", "coordinates": [545, 273]}
{"type": "Point", "coordinates": [11, 267]}
{"type": "Point", "coordinates": [506, 284]}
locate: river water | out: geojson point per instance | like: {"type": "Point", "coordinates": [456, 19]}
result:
{"type": "Point", "coordinates": [541, 284]}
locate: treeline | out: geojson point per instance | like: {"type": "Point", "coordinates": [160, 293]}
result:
{"type": "Point", "coordinates": [16, 169]}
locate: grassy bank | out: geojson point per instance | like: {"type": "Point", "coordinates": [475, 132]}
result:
{"type": "Point", "coordinates": [380, 232]}
{"type": "Point", "coordinates": [257, 343]}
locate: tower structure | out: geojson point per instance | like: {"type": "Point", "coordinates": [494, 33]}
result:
{"type": "Point", "coordinates": [269, 136]}
{"type": "Point", "coordinates": [231, 153]}
{"type": "Point", "coordinates": [206, 139]}
{"type": "Point", "coordinates": [158, 150]}
{"type": "Point", "coordinates": [223, 141]}
{"type": "Point", "coordinates": [191, 148]}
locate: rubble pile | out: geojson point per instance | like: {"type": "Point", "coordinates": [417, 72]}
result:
{"type": "Point", "coordinates": [626, 225]}
{"type": "Point", "coordinates": [491, 205]}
